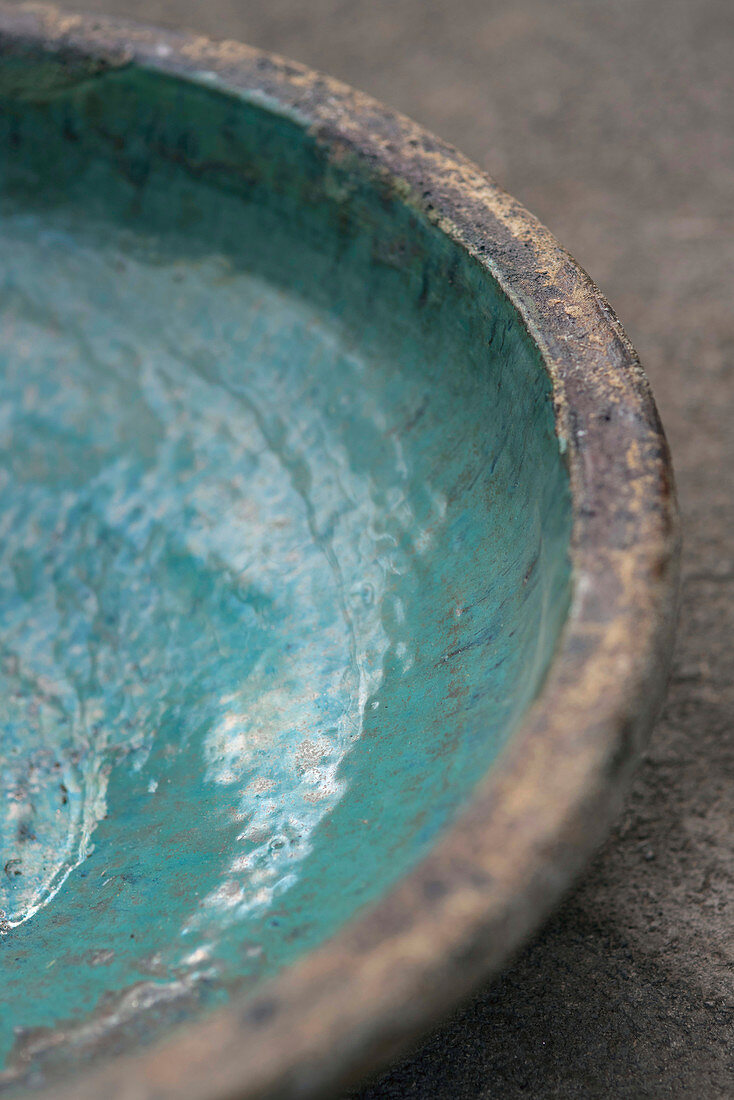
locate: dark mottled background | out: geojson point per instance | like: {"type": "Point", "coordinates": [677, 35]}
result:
{"type": "Point", "coordinates": [613, 120]}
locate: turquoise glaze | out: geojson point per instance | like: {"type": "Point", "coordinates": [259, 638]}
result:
{"type": "Point", "coordinates": [284, 536]}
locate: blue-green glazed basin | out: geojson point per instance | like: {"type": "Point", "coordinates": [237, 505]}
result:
{"type": "Point", "coordinates": [286, 556]}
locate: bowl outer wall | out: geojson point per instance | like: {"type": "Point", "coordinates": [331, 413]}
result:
{"type": "Point", "coordinates": [547, 802]}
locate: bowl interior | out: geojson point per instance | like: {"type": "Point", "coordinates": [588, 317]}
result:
{"type": "Point", "coordinates": [284, 533]}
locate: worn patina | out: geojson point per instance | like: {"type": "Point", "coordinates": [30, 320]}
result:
{"type": "Point", "coordinates": [294, 396]}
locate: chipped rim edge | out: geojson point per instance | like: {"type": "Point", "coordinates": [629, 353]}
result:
{"type": "Point", "coordinates": [529, 827]}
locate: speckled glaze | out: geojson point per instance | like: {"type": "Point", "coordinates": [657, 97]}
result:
{"type": "Point", "coordinates": [279, 573]}
{"type": "Point", "coordinates": [319, 462]}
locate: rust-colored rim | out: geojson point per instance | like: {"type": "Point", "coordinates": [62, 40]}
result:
{"type": "Point", "coordinates": [534, 820]}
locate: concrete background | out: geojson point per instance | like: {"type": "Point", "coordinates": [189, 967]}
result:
{"type": "Point", "coordinates": [612, 120]}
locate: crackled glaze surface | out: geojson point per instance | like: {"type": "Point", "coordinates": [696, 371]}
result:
{"type": "Point", "coordinates": [284, 532]}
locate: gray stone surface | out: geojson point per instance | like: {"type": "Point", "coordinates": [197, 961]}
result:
{"type": "Point", "coordinates": [613, 120]}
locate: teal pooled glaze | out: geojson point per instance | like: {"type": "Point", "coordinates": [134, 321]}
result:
{"type": "Point", "coordinates": [284, 533]}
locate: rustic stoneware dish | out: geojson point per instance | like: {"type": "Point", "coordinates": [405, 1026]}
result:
{"type": "Point", "coordinates": [337, 569]}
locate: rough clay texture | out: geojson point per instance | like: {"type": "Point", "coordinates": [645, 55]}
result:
{"type": "Point", "coordinates": [614, 122]}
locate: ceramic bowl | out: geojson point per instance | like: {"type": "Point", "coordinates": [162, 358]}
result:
{"type": "Point", "coordinates": [337, 567]}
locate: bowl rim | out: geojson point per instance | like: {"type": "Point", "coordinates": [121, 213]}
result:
{"type": "Point", "coordinates": [547, 801]}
